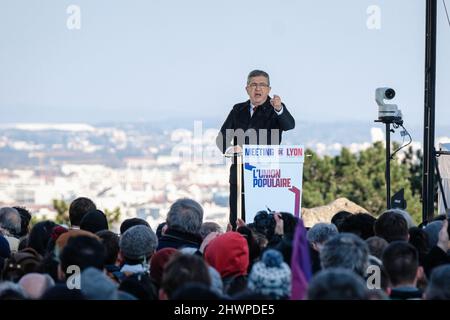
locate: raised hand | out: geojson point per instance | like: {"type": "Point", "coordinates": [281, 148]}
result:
{"type": "Point", "coordinates": [276, 102]}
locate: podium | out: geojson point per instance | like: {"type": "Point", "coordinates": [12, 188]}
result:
{"type": "Point", "coordinates": [273, 177]}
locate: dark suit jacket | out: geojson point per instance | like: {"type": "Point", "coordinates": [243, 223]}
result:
{"type": "Point", "coordinates": [178, 239]}
{"type": "Point", "coordinates": [264, 117]}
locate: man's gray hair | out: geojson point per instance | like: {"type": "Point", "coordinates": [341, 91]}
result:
{"type": "Point", "coordinates": [185, 215]}
{"type": "Point", "coordinates": [208, 227]}
{"type": "Point", "coordinates": [347, 251]}
{"type": "Point", "coordinates": [321, 232]}
{"type": "Point", "coordinates": [258, 73]}
{"type": "Point", "coordinates": [10, 220]}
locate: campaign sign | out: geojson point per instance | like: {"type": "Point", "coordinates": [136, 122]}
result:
{"type": "Point", "coordinates": [273, 177]}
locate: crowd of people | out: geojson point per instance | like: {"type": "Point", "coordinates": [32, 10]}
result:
{"type": "Point", "coordinates": [274, 257]}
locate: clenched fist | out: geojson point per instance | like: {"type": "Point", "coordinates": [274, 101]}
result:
{"type": "Point", "coordinates": [276, 103]}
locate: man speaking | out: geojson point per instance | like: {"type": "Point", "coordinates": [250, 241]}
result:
{"type": "Point", "coordinates": [259, 120]}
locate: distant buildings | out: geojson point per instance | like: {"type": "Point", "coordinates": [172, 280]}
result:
{"type": "Point", "coordinates": [134, 168]}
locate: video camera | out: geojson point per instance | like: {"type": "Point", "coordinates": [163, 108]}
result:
{"type": "Point", "coordinates": [264, 222]}
{"type": "Point", "coordinates": [387, 112]}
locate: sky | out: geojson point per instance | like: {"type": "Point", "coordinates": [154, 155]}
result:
{"type": "Point", "coordinates": [153, 60]}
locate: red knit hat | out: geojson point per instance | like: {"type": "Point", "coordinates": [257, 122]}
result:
{"type": "Point", "coordinates": [228, 254]}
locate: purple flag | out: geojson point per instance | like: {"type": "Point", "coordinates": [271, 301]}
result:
{"type": "Point", "coordinates": [300, 263]}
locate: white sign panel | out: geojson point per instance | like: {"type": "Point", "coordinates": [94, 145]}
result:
{"type": "Point", "coordinates": [273, 177]}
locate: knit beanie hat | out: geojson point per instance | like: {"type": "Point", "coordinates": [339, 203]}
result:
{"type": "Point", "coordinates": [94, 221]}
{"type": "Point", "coordinates": [432, 230]}
{"type": "Point", "coordinates": [228, 253]}
{"type": "Point", "coordinates": [138, 242]}
{"type": "Point", "coordinates": [271, 276]}
{"type": "Point", "coordinates": [158, 262]}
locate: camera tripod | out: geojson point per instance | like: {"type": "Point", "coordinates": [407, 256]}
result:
{"type": "Point", "coordinates": [388, 121]}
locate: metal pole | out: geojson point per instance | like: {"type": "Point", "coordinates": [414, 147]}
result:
{"type": "Point", "coordinates": [429, 111]}
{"type": "Point", "coordinates": [388, 165]}
{"type": "Point", "coordinates": [239, 186]}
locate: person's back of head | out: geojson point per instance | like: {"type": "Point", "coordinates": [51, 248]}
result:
{"type": "Point", "coordinates": [185, 215]}
{"type": "Point", "coordinates": [235, 285]}
{"type": "Point", "coordinates": [377, 246]}
{"type": "Point", "coordinates": [208, 227]}
{"type": "Point", "coordinates": [96, 285]}
{"type": "Point", "coordinates": [391, 226]}
{"type": "Point", "coordinates": [60, 291]}
{"type": "Point", "coordinates": [94, 221]}
{"type": "Point", "coordinates": [405, 214]}
{"type": "Point", "coordinates": [320, 233]}
{"type": "Point", "coordinates": [110, 242]}
{"type": "Point", "coordinates": [158, 263]}
{"type": "Point", "coordinates": [78, 209]}
{"type": "Point", "coordinates": [196, 291]}
{"type": "Point", "coordinates": [180, 270]}
{"type": "Point", "coordinates": [35, 284]}
{"type": "Point", "coordinates": [138, 244]}
{"type": "Point", "coordinates": [139, 286]}
{"type": "Point", "coordinates": [337, 284]}
{"type": "Point", "coordinates": [360, 224]}
{"type": "Point", "coordinates": [419, 239]}
{"type": "Point", "coordinates": [83, 252]}
{"type": "Point", "coordinates": [339, 218]}
{"type": "Point", "coordinates": [345, 250]}
{"type": "Point", "coordinates": [289, 223]}
{"type": "Point", "coordinates": [401, 262]}
{"type": "Point", "coordinates": [40, 236]}
{"type": "Point", "coordinates": [439, 284]}
{"type": "Point", "coordinates": [131, 222]}
{"type": "Point", "coordinates": [25, 218]}
{"type": "Point", "coordinates": [10, 221]}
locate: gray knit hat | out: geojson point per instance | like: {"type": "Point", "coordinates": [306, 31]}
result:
{"type": "Point", "coordinates": [138, 242]}
{"type": "Point", "coordinates": [271, 276]}
{"type": "Point", "coordinates": [432, 230]}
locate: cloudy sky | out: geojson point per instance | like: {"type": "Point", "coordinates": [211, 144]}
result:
{"type": "Point", "coordinates": [147, 60]}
